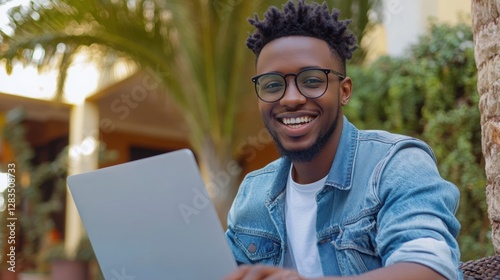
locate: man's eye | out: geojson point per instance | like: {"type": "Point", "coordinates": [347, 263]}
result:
{"type": "Point", "coordinates": [312, 82]}
{"type": "Point", "coordinates": [272, 87]}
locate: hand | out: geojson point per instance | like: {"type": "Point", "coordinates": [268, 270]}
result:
{"type": "Point", "coordinates": [262, 272]}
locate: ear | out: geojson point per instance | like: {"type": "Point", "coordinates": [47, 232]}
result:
{"type": "Point", "coordinates": [345, 91]}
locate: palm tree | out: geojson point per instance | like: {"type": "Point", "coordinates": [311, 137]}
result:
{"type": "Point", "coordinates": [487, 45]}
{"type": "Point", "coordinates": [195, 48]}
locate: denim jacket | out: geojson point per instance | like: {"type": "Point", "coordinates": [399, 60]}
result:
{"type": "Point", "coordinates": [383, 202]}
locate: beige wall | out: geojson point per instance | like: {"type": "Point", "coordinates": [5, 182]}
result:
{"type": "Point", "coordinates": [406, 20]}
{"type": "Point", "coordinates": [451, 11]}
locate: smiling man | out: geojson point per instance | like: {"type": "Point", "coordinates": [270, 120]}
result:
{"type": "Point", "coordinates": [340, 202]}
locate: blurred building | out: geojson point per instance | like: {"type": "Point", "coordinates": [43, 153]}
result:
{"type": "Point", "coordinates": [403, 21]}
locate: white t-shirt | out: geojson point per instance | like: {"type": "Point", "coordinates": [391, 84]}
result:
{"type": "Point", "coordinates": [300, 218]}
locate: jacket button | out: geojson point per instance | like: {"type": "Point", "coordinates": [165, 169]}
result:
{"type": "Point", "coordinates": [252, 248]}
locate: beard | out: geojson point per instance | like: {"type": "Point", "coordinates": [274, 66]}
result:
{"type": "Point", "coordinates": [307, 154]}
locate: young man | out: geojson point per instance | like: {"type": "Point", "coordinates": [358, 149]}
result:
{"type": "Point", "coordinates": [340, 201]}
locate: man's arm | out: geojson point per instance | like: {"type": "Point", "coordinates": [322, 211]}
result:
{"type": "Point", "coordinates": [399, 271]}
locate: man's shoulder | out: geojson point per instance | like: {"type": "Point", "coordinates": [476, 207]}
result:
{"type": "Point", "coordinates": [383, 145]}
{"type": "Point", "coordinates": [384, 136]}
{"type": "Point", "coordinates": [383, 139]}
{"type": "Point", "coordinates": [391, 140]}
{"type": "Point", "coordinates": [270, 168]}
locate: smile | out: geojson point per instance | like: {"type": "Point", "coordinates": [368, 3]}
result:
{"type": "Point", "coordinates": [297, 122]}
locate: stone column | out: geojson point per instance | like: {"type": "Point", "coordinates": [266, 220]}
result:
{"type": "Point", "coordinates": [83, 156]}
{"type": "Point", "coordinates": [486, 25]}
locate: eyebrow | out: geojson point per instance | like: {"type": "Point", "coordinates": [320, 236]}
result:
{"type": "Point", "coordinates": [312, 67]}
{"type": "Point", "coordinates": [300, 69]}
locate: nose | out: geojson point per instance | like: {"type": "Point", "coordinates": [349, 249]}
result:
{"type": "Point", "coordinates": [292, 97]}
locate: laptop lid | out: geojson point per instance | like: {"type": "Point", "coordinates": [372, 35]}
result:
{"type": "Point", "coordinates": [152, 219]}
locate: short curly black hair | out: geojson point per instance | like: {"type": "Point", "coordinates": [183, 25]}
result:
{"type": "Point", "coordinates": [311, 20]}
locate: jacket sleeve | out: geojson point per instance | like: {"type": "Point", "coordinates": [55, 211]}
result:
{"type": "Point", "coordinates": [416, 222]}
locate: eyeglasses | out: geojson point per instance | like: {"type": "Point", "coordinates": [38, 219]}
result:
{"type": "Point", "coordinates": [311, 83]}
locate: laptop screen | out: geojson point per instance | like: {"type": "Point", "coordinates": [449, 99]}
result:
{"type": "Point", "coordinates": [152, 219]}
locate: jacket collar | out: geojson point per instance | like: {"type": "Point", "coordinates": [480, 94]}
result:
{"type": "Point", "coordinates": [341, 172]}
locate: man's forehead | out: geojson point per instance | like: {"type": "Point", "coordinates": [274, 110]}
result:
{"type": "Point", "coordinates": [295, 49]}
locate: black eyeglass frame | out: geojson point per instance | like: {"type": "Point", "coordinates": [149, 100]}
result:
{"type": "Point", "coordinates": [284, 76]}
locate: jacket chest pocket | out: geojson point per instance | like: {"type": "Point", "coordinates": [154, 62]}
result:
{"type": "Point", "coordinates": [356, 248]}
{"type": "Point", "coordinates": [253, 247]}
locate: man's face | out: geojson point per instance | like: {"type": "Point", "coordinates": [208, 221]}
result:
{"type": "Point", "coordinates": [300, 126]}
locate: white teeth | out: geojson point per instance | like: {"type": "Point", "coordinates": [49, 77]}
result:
{"type": "Point", "coordinates": [299, 120]}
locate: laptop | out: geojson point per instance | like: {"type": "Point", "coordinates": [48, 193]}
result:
{"type": "Point", "coordinates": [152, 219]}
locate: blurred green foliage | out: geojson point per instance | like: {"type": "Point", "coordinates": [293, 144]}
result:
{"type": "Point", "coordinates": [431, 94]}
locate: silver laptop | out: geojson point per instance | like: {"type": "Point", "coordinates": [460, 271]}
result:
{"type": "Point", "coordinates": [152, 219]}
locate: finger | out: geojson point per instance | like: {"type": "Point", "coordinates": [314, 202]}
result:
{"type": "Point", "coordinates": [238, 273]}
{"type": "Point", "coordinates": [259, 272]}
{"type": "Point", "coordinates": [285, 275]}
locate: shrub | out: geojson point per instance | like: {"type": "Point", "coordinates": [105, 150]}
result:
{"type": "Point", "coordinates": [431, 94]}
